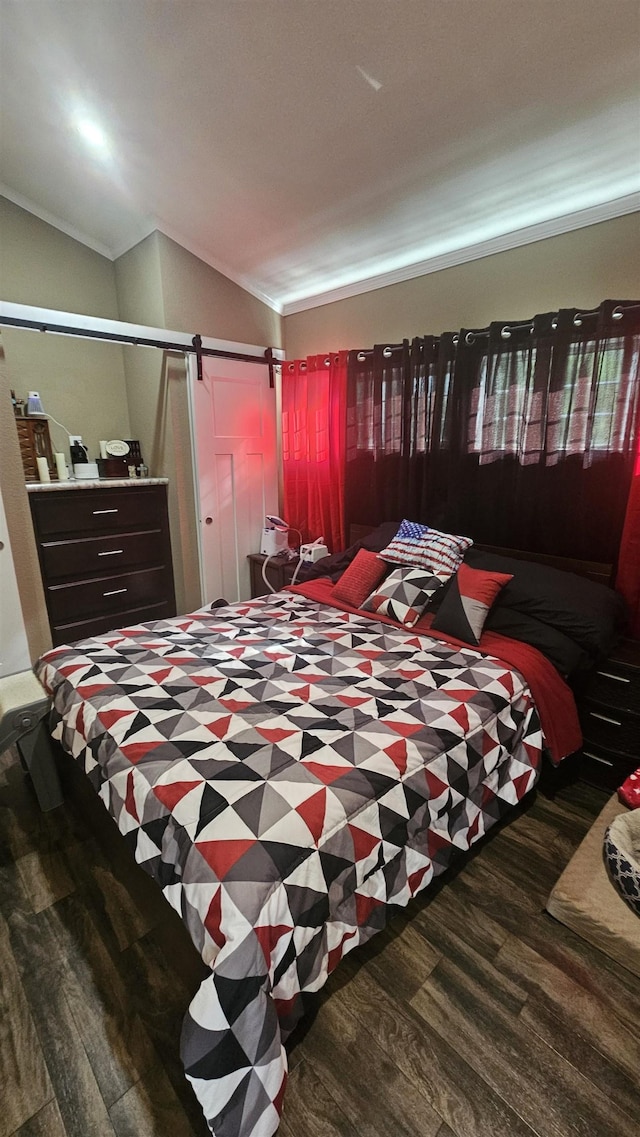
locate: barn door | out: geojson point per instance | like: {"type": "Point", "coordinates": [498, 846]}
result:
{"type": "Point", "coordinates": [234, 433]}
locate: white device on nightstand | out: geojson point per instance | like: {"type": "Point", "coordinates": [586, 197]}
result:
{"type": "Point", "coordinates": [273, 542]}
{"type": "Point", "coordinates": [314, 550]}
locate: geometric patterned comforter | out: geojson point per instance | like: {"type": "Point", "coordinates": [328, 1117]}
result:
{"type": "Point", "coordinates": [285, 771]}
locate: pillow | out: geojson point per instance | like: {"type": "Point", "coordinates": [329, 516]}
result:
{"type": "Point", "coordinates": [360, 578]}
{"type": "Point", "coordinates": [591, 614]}
{"type": "Point", "coordinates": [336, 563]}
{"type": "Point", "coordinates": [404, 595]}
{"type": "Point", "coordinates": [564, 653]}
{"type": "Point", "coordinates": [426, 548]}
{"type": "Point", "coordinates": [466, 606]}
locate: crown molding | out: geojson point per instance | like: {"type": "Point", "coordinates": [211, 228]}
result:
{"type": "Point", "coordinates": [553, 227]}
{"type": "Point", "coordinates": [197, 251]}
{"type": "Point", "coordinates": [502, 243]}
{"type": "Point", "coordinates": [50, 219]}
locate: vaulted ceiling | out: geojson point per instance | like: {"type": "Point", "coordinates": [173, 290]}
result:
{"type": "Point", "coordinates": [315, 148]}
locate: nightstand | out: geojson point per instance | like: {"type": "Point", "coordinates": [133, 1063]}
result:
{"type": "Point", "coordinates": [609, 707]}
{"type": "Point", "coordinates": [279, 573]}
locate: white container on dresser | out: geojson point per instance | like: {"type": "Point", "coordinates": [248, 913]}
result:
{"type": "Point", "coordinates": [105, 554]}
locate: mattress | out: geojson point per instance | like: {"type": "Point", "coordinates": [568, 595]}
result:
{"type": "Point", "coordinates": [286, 771]}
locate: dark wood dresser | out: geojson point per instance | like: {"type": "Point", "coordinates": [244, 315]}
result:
{"type": "Point", "coordinates": [609, 707]}
{"type": "Point", "coordinates": [105, 557]}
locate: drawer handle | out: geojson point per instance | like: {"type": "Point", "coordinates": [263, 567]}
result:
{"type": "Point", "coordinates": [596, 758]}
{"type": "Point", "coordinates": [97, 511]}
{"type": "Point", "coordinates": [111, 553]}
{"type": "Point", "coordinates": [115, 592]}
{"type": "Point", "coordinates": [610, 675]}
{"type": "Point", "coordinates": [604, 718]}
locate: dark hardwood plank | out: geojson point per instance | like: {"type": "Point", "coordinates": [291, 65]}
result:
{"type": "Point", "coordinates": [551, 1096]}
{"type": "Point", "coordinates": [45, 878]}
{"type": "Point", "coordinates": [159, 994]}
{"type": "Point", "coordinates": [47, 1122]}
{"type": "Point", "coordinates": [114, 1039]}
{"type": "Point", "coordinates": [504, 991]}
{"type": "Point", "coordinates": [586, 1056]}
{"type": "Point", "coordinates": [449, 912]}
{"type": "Point", "coordinates": [461, 1097]}
{"type": "Point", "coordinates": [582, 1012]}
{"type": "Point", "coordinates": [612, 984]}
{"type": "Point", "coordinates": [26, 1087]}
{"type": "Point", "coordinates": [375, 1095]}
{"type": "Point", "coordinates": [43, 977]}
{"type": "Point", "coordinates": [399, 956]}
{"type": "Point", "coordinates": [125, 913]}
{"type": "Point", "coordinates": [310, 1110]}
{"type": "Point", "coordinates": [150, 1108]}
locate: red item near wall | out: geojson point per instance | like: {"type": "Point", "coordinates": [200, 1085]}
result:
{"type": "Point", "coordinates": [628, 579]}
{"type": "Point", "coordinates": [313, 446]}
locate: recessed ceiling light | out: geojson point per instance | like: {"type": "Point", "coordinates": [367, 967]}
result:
{"type": "Point", "coordinates": [93, 134]}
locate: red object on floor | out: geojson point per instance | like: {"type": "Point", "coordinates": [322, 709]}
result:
{"type": "Point", "coordinates": [629, 792]}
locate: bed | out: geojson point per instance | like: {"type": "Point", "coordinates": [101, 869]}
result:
{"type": "Point", "coordinates": [290, 767]}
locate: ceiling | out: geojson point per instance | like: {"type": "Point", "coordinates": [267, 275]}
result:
{"type": "Point", "coordinates": [311, 149]}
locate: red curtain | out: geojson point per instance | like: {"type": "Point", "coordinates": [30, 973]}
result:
{"type": "Point", "coordinates": [313, 444]}
{"type": "Point", "coordinates": [628, 579]}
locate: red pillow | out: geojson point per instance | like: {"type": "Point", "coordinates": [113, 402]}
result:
{"type": "Point", "coordinates": [360, 578]}
{"type": "Point", "coordinates": [468, 601]}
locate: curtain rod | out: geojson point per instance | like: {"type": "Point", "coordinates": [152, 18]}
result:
{"type": "Point", "coordinates": [617, 314]}
{"type": "Point", "coordinates": [194, 347]}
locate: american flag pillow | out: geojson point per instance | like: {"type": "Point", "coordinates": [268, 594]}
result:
{"type": "Point", "coordinates": [427, 548]}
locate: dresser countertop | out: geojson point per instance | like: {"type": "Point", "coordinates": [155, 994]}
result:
{"type": "Point", "coordinates": [94, 484]}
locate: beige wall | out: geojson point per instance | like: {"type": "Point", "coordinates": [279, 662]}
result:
{"type": "Point", "coordinates": [200, 299]}
{"type": "Point", "coordinates": [161, 284]}
{"type": "Point", "coordinates": [81, 383]}
{"type": "Point", "coordinates": [576, 269]}
{"type": "Point", "coordinates": [102, 390]}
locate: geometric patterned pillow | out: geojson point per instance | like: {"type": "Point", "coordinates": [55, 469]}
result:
{"type": "Point", "coordinates": [359, 578]}
{"type": "Point", "coordinates": [427, 548]}
{"type": "Point", "coordinates": [468, 601]}
{"type": "Point", "coordinates": [404, 595]}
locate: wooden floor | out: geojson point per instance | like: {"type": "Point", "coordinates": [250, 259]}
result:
{"type": "Point", "coordinates": [474, 1014]}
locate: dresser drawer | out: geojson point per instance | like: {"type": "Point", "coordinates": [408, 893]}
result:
{"type": "Point", "coordinates": [602, 767]}
{"type": "Point", "coordinates": [607, 726]}
{"type": "Point", "coordinates": [615, 686]}
{"type": "Point", "coordinates": [105, 557]}
{"type": "Point", "coordinates": [75, 558]}
{"type": "Point", "coordinates": [87, 511]}
{"type": "Point", "coordinates": [70, 602]}
{"type": "Point", "coordinates": [68, 633]}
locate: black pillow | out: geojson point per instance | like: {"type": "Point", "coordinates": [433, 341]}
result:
{"type": "Point", "coordinates": [589, 613]}
{"type": "Point", "coordinates": [335, 564]}
{"type": "Point", "coordinates": [569, 658]}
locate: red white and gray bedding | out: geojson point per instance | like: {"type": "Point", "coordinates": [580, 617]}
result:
{"type": "Point", "coordinates": [285, 771]}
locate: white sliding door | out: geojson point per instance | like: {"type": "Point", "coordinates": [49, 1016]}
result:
{"type": "Point", "coordinates": [234, 433]}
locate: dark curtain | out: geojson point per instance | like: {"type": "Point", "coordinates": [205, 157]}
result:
{"type": "Point", "coordinates": [399, 422]}
{"type": "Point", "coordinates": [520, 435]}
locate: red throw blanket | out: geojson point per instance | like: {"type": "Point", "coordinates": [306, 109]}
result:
{"type": "Point", "coordinates": [553, 698]}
